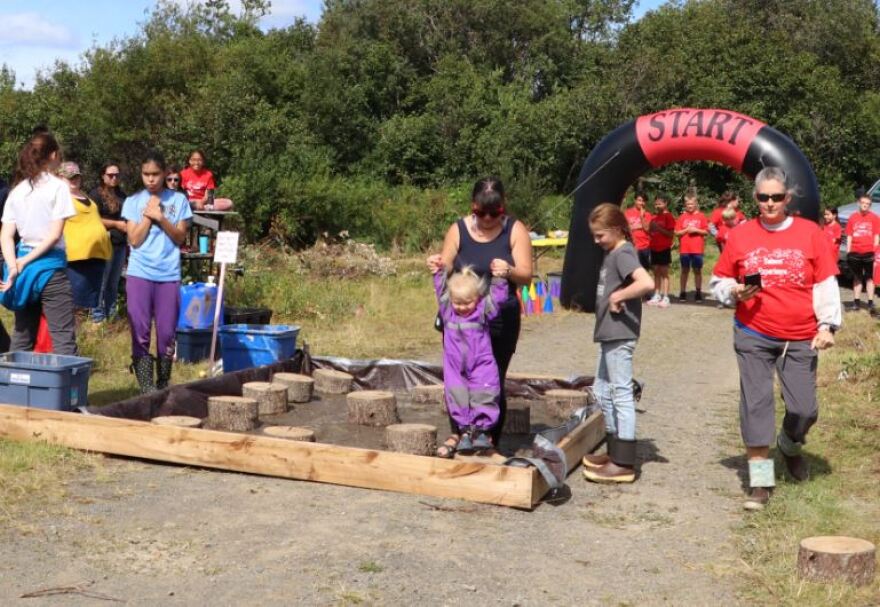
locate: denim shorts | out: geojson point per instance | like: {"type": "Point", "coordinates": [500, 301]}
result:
{"type": "Point", "coordinates": [691, 260]}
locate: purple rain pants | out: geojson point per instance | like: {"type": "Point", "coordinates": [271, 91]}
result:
{"type": "Point", "coordinates": [147, 300]}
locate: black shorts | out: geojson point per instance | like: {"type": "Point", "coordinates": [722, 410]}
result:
{"type": "Point", "coordinates": [662, 258]}
{"type": "Point", "coordinates": [645, 258]}
{"type": "Point", "coordinates": [861, 265]}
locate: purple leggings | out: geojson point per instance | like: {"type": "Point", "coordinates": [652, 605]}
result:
{"type": "Point", "coordinates": [147, 300]}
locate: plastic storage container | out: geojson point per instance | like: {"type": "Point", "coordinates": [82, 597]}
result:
{"type": "Point", "coordinates": [246, 346]}
{"type": "Point", "coordinates": [247, 316]}
{"type": "Point", "coordinates": [45, 381]}
{"type": "Point", "coordinates": [194, 345]}
{"type": "Point", "coordinates": [197, 304]}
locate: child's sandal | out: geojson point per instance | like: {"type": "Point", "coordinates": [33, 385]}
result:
{"type": "Point", "coordinates": [449, 447]}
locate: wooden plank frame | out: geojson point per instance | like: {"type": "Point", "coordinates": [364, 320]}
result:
{"type": "Point", "coordinates": [488, 483]}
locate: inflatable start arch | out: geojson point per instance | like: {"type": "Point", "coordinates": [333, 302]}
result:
{"type": "Point", "coordinates": [651, 141]}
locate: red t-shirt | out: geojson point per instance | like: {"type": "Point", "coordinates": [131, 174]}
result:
{"type": "Point", "coordinates": [717, 220]}
{"type": "Point", "coordinates": [790, 262]}
{"type": "Point", "coordinates": [862, 228]}
{"type": "Point", "coordinates": [834, 233]}
{"type": "Point", "coordinates": [641, 238]}
{"type": "Point", "coordinates": [721, 235]}
{"type": "Point", "coordinates": [659, 241]}
{"type": "Point", "coordinates": [876, 265]}
{"type": "Point", "coordinates": [691, 244]}
{"type": "Point", "coordinates": [196, 184]}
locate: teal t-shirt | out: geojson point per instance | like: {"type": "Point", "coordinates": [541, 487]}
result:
{"type": "Point", "coordinates": [158, 258]}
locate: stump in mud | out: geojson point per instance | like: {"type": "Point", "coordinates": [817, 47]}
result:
{"type": "Point", "coordinates": [299, 387]}
{"type": "Point", "coordinates": [372, 408]}
{"type": "Point", "coordinates": [417, 439]}
{"type": "Point", "coordinates": [562, 403]}
{"type": "Point", "coordinates": [182, 421]}
{"type": "Point", "coordinates": [234, 413]}
{"type": "Point", "coordinates": [290, 433]}
{"type": "Point", "coordinates": [834, 557]}
{"type": "Point", "coordinates": [518, 420]}
{"type": "Point", "coordinates": [271, 398]}
{"type": "Point", "coordinates": [428, 394]}
{"type": "Point", "coordinates": [330, 381]}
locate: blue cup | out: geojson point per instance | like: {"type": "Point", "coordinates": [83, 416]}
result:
{"type": "Point", "coordinates": [204, 244]}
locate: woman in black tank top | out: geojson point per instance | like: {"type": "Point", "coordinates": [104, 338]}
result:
{"type": "Point", "coordinates": [493, 244]}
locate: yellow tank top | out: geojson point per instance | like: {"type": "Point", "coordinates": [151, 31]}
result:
{"type": "Point", "coordinates": [84, 235]}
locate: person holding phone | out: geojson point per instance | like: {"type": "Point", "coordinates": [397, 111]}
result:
{"type": "Point", "coordinates": [777, 270]}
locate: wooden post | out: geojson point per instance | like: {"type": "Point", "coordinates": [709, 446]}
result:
{"type": "Point", "coordinates": [372, 408]}
{"type": "Point", "coordinates": [562, 403]}
{"type": "Point", "coordinates": [432, 393]}
{"type": "Point", "coordinates": [235, 413]}
{"type": "Point", "coordinates": [330, 381]}
{"type": "Point", "coordinates": [418, 439]}
{"type": "Point", "coordinates": [834, 557]}
{"type": "Point", "coordinates": [518, 420]}
{"type": "Point", "coordinates": [290, 433]}
{"type": "Point", "coordinates": [271, 398]}
{"type": "Point", "coordinates": [299, 387]}
{"type": "Point", "coordinates": [181, 421]}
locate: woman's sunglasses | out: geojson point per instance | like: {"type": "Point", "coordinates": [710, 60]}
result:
{"type": "Point", "coordinates": [774, 197]}
{"type": "Point", "coordinates": [492, 212]}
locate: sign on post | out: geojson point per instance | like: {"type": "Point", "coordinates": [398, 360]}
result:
{"type": "Point", "coordinates": [226, 247]}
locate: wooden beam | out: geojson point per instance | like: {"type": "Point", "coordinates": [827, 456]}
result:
{"type": "Point", "coordinates": [580, 441]}
{"type": "Point", "coordinates": [479, 482]}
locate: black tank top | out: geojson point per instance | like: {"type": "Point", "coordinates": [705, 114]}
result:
{"type": "Point", "coordinates": [479, 255]}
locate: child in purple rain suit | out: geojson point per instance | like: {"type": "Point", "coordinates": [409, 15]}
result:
{"type": "Point", "coordinates": [470, 374]}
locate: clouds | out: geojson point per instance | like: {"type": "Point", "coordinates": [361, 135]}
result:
{"type": "Point", "coordinates": [33, 29]}
{"type": "Point", "coordinates": [281, 10]}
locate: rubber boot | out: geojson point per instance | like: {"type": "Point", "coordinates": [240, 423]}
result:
{"type": "Point", "coordinates": [795, 462]}
{"type": "Point", "coordinates": [597, 460]}
{"type": "Point", "coordinates": [143, 371]}
{"type": "Point", "coordinates": [620, 468]}
{"type": "Point", "coordinates": [163, 372]}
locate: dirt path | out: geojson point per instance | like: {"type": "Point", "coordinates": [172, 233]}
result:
{"type": "Point", "coordinates": [156, 534]}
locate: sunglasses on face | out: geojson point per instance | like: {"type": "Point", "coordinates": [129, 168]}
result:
{"type": "Point", "coordinates": [111, 175]}
{"type": "Point", "coordinates": [774, 197]}
{"type": "Point", "coordinates": [172, 179]}
{"type": "Point", "coordinates": [492, 212]}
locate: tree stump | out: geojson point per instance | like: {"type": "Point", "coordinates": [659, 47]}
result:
{"type": "Point", "coordinates": [330, 381]}
{"type": "Point", "coordinates": [271, 398]}
{"type": "Point", "coordinates": [417, 439]}
{"type": "Point", "coordinates": [234, 413]}
{"type": "Point", "coordinates": [182, 421]}
{"type": "Point", "coordinates": [518, 420]}
{"type": "Point", "coordinates": [299, 387]}
{"type": "Point", "coordinates": [835, 557]}
{"type": "Point", "coordinates": [562, 403]}
{"type": "Point", "coordinates": [432, 393]}
{"type": "Point", "coordinates": [290, 433]}
{"type": "Point", "coordinates": [372, 408]}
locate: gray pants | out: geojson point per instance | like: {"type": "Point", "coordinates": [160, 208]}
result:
{"type": "Point", "coordinates": [56, 302]}
{"type": "Point", "coordinates": [796, 365]}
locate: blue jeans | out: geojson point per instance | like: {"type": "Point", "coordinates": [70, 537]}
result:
{"type": "Point", "coordinates": [110, 285]}
{"type": "Point", "coordinates": [613, 387]}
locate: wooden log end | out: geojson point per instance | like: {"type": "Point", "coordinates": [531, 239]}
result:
{"type": "Point", "coordinates": [299, 387]}
{"type": "Point", "coordinates": [183, 421]}
{"type": "Point", "coordinates": [330, 381]}
{"type": "Point", "coordinates": [417, 439]}
{"type": "Point", "coordinates": [562, 403]}
{"type": "Point", "coordinates": [518, 420]}
{"type": "Point", "coordinates": [837, 558]}
{"type": "Point", "coordinates": [232, 413]}
{"type": "Point", "coordinates": [432, 393]}
{"type": "Point", "coordinates": [372, 408]}
{"type": "Point", "coordinates": [290, 433]}
{"type": "Point", "coordinates": [271, 398]}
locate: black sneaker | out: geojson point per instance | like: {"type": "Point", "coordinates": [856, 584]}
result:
{"type": "Point", "coordinates": [871, 309]}
{"type": "Point", "coordinates": [798, 467]}
{"type": "Point", "coordinates": [683, 296]}
{"type": "Point", "coordinates": [857, 304]}
{"type": "Point", "coordinates": [698, 296]}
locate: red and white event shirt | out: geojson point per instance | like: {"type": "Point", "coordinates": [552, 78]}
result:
{"type": "Point", "coordinates": [834, 233]}
{"type": "Point", "coordinates": [660, 241]}
{"type": "Point", "coordinates": [635, 219]}
{"type": "Point", "coordinates": [862, 227]}
{"type": "Point", "coordinates": [195, 184]}
{"type": "Point", "coordinates": [691, 244]}
{"type": "Point", "coordinates": [790, 262]}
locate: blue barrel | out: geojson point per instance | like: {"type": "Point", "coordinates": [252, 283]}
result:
{"type": "Point", "coordinates": [246, 346]}
{"type": "Point", "coordinates": [197, 304]}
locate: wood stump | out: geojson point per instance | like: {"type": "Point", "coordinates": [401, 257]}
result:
{"type": "Point", "coordinates": [330, 381]}
{"type": "Point", "coordinates": [562, 403]}
{"type": "Point", "coordinates": [835, 557]}
{"type": "Point", "coordinates": [372, 408]}
{"type": "Point", "coordinates": [290, 433]}
{"type": "Point", "coordinates": [182, 421]}
{"type": "Point", "coordinates": [234, 413]}
{"type": "Point", "coordinates": [271, 398]}
{"type": "Point", "coordinates": [518, 420]}
{"type": "Point", "coordinates": [432, 393]}
{"type": "Point", "coordinates": [299, 387]}
{"type": "Point", "coordinates": [417, 439]}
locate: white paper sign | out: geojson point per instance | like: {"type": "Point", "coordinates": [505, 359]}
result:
{"type": "Point", "coordinates": [226, 247]}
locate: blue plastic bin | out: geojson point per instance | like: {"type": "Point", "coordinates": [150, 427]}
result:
{"type": "Point", "coordinates": [246, 346]}
{"type": "Point", "coordinates": [45, 381]}
{"type": "Point", "coordinates": [194, 345]}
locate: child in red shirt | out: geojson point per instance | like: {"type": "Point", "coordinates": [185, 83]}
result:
{"type": "Point", "coordinates": [728, 222]}
{"type": "Point", "coordinates": [862, 238]}
{"type": "Point", "coordinates": [691, 229]}
{"type": "Point", "coordinates": [662, 230]}
{"type": "Point", "coordinates": [834, 233]}
{"type": "Point", "coordinates": [639, 220]}
{"type": "Point", "coordinates": [196, 180]}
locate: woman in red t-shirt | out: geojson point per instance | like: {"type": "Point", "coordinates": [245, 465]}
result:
{"type": "Point", "coordinates": [196, 179]}
{"type": "Point", "coordinates": [777, 270]}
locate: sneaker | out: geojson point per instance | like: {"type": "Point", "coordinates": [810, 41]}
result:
{"type": "Point", "coordinates": [857, 304]}
{"type": "Point", "coordinates": [664, 302]}
{"type": "Point", "coordinates": [610, 473]}
{"type": "Point", "coordinates": [798, 467]}
{"type": "Point", "coordinates": [595, 461]}
{"type": "Point", "coordinates": [871, 309]}
{"type": "Point", "coordinates": [683, 296]}
{"type": "Point", "coordinates": [698, 296]}
{"type": "Point", "coordinates": [757, 499]}
{"type": "Point", "coordinates": [465, 444]}
{"type": "Point", "coordinates": [482, 442]}
{"type": "Point", "coordinates": [655, 300]}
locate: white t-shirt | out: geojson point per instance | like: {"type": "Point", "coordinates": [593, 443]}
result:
{"type": "Point", "coordinates": [33, 208]}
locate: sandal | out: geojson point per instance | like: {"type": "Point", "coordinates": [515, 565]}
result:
{"type": "Point", "coordinates": [449, 447]}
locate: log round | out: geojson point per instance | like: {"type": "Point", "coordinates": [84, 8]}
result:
{"type": "Point", "coordinates": [299, 387]}
{"type": "Point", "coordinates": [233, 413]}
{"type": "Point", "coordinates": [833, 557]}
{"type": "Point", "coordinates": [182, 421]}
{"type": "Point", "coordinates": [417, 439]}
{"type": "Point", "coordinates": [330, 381]}
{"type": "Point", "coordinates": [562, 403]}
{"type": "Point", "coordinates": [271, 398]}
{"type": "Point", "coordinates": [290, 433]}
{"type": "Point", "coordinates": [432, 393]}
{"type": "Point", "coordinates": [372, 408]}
{"type": "Point", "coordinates": [517, 420]}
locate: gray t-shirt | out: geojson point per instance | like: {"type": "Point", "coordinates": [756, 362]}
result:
{"type": "Point", "coordinates": [616, 273]}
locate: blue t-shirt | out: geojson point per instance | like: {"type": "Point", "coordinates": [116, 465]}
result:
{"type": "Point", "coordinates": [158, 258]}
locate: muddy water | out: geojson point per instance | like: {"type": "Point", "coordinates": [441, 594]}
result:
{"type": "Point", "coordinates": [326, 416]}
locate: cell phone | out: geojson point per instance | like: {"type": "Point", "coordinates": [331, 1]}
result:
{"type": "Point", "coordinates": [753, 280]}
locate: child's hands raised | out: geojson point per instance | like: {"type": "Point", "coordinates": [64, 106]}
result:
{"type": "Point", "coordinates": [434, 263]}
{"type": "Point", "coordinates": [153, 209]}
